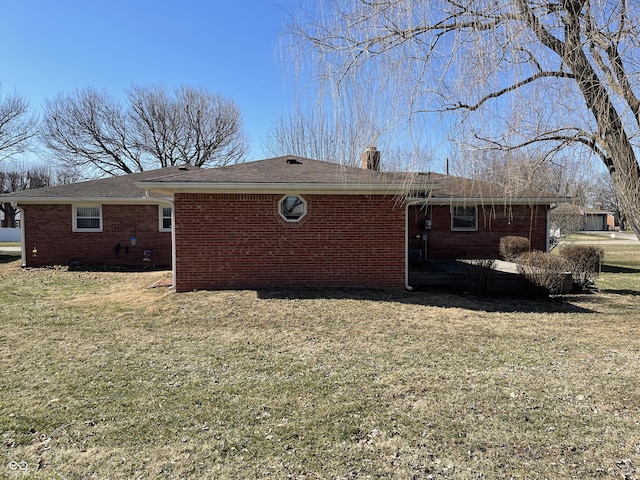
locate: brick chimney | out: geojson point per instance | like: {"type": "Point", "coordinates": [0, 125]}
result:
{"type": "Point", "coordinates": [371, 159]}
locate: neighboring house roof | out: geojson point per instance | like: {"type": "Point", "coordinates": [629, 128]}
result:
{"type": "Point", "coordinates": [111, 189]}
{"type": "Point", "coordinates": [596, 211]}
{"type": "Point", "coordinates": [579, 210]}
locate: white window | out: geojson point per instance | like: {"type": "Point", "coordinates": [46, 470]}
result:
{"type": "Point", "coordinates": [292, 208]}
{"type": "Point", "coordinates": [464, 218]}
{"type": "Point", "coordinates": [164, 214]}
{"type": "Point", "coordinates": [87, 218]}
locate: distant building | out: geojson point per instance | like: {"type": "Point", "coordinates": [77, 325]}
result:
{"type": "Point", "coordinates": [597, 220]}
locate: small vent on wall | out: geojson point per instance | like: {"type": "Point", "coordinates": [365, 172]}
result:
{"type": "Point", "coordinates": [293, 161]}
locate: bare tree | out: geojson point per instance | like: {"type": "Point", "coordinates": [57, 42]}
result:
{"type": "Point", "coordinates": [317, 134]}
{"type": "Point", "coordinates": [561, 74]}
{"type": "Point", "coordinates": [518, 173]}
{"type": "Point", "coordinates": [20, 177]}
{"type": "Point", "coordinates": [90, 130]}
{"type": "Point", "coordinates": [341, 139]}
{"type": "Point", "coordinates": [17, 125]}
{"type": "Point", "coordinates": [194, 126]}
{"type": "Point", "coordinates": [340, 133]}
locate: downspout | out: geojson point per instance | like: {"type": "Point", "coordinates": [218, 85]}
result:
{"type": "Point", "coordinates": [147, 194]}
{"type": "Point", "coordinates": [406, 249]}
{"type": "Point", "coordinates": [173, 245]}
{"type": "Point", "coordinates": [548, 239]}
{"type": "Point", "coordinates": [23, 243]}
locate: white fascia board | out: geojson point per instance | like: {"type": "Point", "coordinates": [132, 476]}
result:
{"type": "Point", "coordinates": [488, 201]}
{"type": "Point", "coordinates": [100, 200]}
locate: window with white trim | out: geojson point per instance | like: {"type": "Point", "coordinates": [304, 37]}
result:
{"type": "Point", "coordinates": [164, 214]}
{"type": "Point", "coordinates": [87, 218]}
{"type": "Point", "coordinates": [464, 218]}
{"type": "Point", "coordinates": [292, 208]}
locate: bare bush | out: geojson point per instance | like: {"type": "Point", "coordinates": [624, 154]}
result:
{"type": "Point", "coordinates": [511, 247]}
{"type": "Point", "coordinates": [545, 272]}
{"type": "Point", "coordinates": [478, 275]}
{"type": "Point", "coordinates": [584, 262]}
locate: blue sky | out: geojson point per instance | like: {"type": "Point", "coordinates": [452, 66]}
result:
{"type": "Point", "coordinates": [230, 47]}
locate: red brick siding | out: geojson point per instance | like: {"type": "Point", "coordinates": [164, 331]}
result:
{"type": "Point", "coordinates": [49, 229]}
{"type": "Point", "coordinates": [240, 241]}
{"type": "Point", "coordinates": [493, 224]}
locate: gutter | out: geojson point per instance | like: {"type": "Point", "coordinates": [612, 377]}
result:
{"type": "Point", "coordinates": [406, 249]}
{"type": "Point", "coordinates": [548, 226]}
{"type": "Point", "coordinates": [23, 244]}
{"type": "Point", "coordinates": [488, 201]}
{"type": "Point", "coordinates": [553, 206]}
{"type": "Point", "coordinates": [96, 200]}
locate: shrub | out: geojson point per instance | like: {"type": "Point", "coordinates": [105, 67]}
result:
{"type": "Point", "coordinates": [511, 247]}
{"type": "Point", "coordinates": [545, 272]}
{"type": "Point", "coordinates": [478, 275]}
{"type": "Point", "coordinates": [584, 263]}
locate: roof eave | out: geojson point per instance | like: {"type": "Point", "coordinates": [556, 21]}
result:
{"type": "Point", "coordinates": [79, 199]}
{"type": "Point", "coordinates": [489, 200]}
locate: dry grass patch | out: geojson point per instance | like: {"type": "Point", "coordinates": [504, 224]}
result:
{"type": "Point", "coordinates": [106, 378]}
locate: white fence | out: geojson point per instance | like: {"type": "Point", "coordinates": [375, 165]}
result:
{"type": "Point", "coordinates": [9, 234]}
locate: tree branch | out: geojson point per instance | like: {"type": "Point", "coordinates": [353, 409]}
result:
{"type": "Point", "coordinates": [555, 136]}
{"type": "Point", "coordinates": [511, 88]}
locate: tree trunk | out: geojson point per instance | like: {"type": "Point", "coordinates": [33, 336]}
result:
{"type": "Point", "coordinates": [620, 159]}
{"type": "Point", "coordinates": [618, 154]}
{"type": "Point", "coordinates": [9, 215]}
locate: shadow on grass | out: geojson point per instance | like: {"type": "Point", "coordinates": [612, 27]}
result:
{"type": "Point", "coordinates": [617, 269]}
{"type": "Point", "coordinates": [432, 298]}
{"type": "Point", "coordinates": [8, 258]}
{"type": "Point", "coordinates": [116, 268]}
{"type": "Point", "coordinates": [613, 291]}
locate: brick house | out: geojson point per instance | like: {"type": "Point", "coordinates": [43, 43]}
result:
{"type": "Point", "coordinates": [466, 218]}
{"type": "Point", "coordinates": [294, 221]}
{"type": "Point", "coordinates": [107, 221]}
{"type": "Point", "coordinates": [285, 221]}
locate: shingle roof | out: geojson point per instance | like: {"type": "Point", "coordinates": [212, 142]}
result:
{"type": "Point", "coordinates": [450, 187]}
{"type": "Point", "coordinates": [277, 173]}
{"type": "Point", "coordinates": [307, 172]}
{"type": "Point", "coordinates": [285, 170]}
{"type": "Point", "coordinates": [120, 187]}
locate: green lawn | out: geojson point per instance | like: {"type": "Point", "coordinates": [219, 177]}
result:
{"type": "Point", "coordinates": [578, 236]}
{"type": "Point", "coordinates": [106, 378]}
